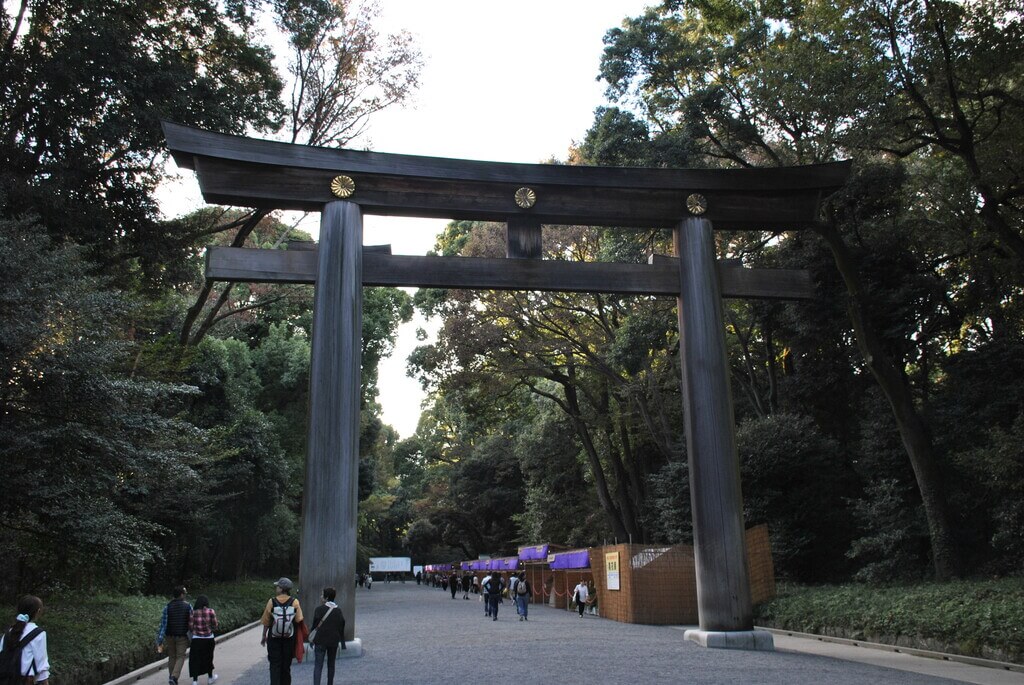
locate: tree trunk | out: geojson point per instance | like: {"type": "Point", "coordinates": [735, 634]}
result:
{"type": "Point", "coordinates": [912, 428]}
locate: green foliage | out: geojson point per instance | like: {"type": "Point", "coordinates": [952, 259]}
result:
{"type": "Point", "coordinates": [558, 506]}
{"type": "Point", "coordinates": [88, 450]}
{"type": "Point", "coordinates": [974, 618]}
{"type": "Point", "coordinates": [85, 86]}
{"type": "Point", "coordinates": [794, 480]}
{"type": "Point", "coordinates": [670, 514]}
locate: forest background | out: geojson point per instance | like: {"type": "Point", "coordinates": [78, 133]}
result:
{"type": "Point", "coordinates": [153, 425]}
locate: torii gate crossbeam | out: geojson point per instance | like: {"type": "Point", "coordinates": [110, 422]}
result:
{"type": "Point", "coordinates": [270, 175]}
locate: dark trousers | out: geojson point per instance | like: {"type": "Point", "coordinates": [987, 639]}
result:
{"type": "Point", "coordinates": [493, 599]}
{"type": "Point", "coordinates": [331, 654]}
{"type": "Point", "coordinates": [487, 604]}
{"type": "Point", "coordinates": [280, 652]}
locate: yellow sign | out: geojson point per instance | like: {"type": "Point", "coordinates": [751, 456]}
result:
{"type": "Point", "coordinates": [611, 567]}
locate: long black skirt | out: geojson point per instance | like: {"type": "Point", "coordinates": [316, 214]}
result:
{"type": "Point", "coordinates": [200, 657]}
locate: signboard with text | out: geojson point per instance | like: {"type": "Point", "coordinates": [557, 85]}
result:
{"type": "Point", "coordinates": [611, 566]}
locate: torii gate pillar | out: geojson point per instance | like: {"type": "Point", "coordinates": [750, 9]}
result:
{"type": "Point", "coordinates": [327, 556]}
{"type": "Point", "coordinates": [720, 555]}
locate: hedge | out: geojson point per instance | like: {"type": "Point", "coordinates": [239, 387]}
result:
{"type": "Point", "coordinates": [981, 618]}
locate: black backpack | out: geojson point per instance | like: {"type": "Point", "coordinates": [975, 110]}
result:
{"type": "Point", "coordinates": [494, 585]}
{"type": "Point", "coordinates": [10, 659]}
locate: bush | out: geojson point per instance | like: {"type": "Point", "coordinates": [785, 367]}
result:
{"type": "Point", "coordinates": [96, 638]}
{"type": "Point", "coordinates": [973, 618]}
{"type": "Point", "coordinates": [794, 479]}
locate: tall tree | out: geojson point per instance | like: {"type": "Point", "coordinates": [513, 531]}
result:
{"type": "Point", "coordinates": [755, 83]}
{"type": "Point", "coordinates": [85, 84]}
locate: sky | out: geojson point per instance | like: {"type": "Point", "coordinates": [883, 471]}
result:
{"type": "Point", "coordinates": [504, 82]}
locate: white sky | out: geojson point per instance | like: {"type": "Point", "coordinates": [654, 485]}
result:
{"type": "Point", "coordinates": [506, 82]}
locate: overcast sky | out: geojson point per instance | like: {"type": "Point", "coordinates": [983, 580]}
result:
{"type": "Point", "coordinates": [506, 82]}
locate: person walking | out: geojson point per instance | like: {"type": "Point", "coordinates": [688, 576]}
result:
{"type": "Point", "coordinates": [279, 620]}
{"type": "Point", "coordinates": [522, 596]}
{"type": "Point", "coordinates": [467, 583]}
{"type": "Point", "coordinates": [484, 585]}
{"type": "Point", "coordinates": [327, 633]}
{"type": "Point", "coordinates": [173, 633]}
{"type": "Point", "coordinates": [492, 585]}
{"type": "Point", "coordinates": [202, 624]}
{"type": "Point", "coordinates": [580, 595]}
{"type": "Point", "coordinates": [30, 639]}
{"type": "Point", "coordinates": [453, 583]}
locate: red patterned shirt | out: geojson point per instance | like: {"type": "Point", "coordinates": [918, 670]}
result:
{"type": "Point", "coordinates": [203, 622]}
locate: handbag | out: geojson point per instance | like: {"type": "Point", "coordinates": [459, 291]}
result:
{"type": "Point", "coordinates": [312, 633]}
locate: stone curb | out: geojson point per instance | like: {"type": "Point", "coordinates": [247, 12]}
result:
{"type": "Point", "coordinates": [150, 669]}
{"type": "Point", "coordinates": [912, 651]}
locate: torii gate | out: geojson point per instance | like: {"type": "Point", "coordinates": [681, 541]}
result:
{"type": "Point", "coordinates": [345, 184]}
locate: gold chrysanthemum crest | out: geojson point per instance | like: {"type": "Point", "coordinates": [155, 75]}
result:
{"type": "Point", "coordinates": [696, 204]}
{"type": "Point", "coordinates": [343, 186]}
{"type": "Point", "coordinates": [526, 197]}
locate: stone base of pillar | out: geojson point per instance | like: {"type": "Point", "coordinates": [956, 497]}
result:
{"type": "Point", "coordinates": [353, 648]}
{"type": "Point", "coordinates": [754, 640]}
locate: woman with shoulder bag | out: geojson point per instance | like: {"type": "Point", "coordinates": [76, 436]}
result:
{"type": "Point", "coordinates": [327, 633]}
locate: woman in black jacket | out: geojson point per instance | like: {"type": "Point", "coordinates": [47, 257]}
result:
{"type": "Point", "coordinates": [329, 625]}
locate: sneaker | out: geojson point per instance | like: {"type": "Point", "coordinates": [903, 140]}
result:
{"type": "Point", "coordinates": [212, 679]}
{"type": "Point", "coordinates": [495, 618]}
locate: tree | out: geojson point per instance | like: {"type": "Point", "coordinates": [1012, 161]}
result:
{"type": "Point", "coordinates": [89, 451]}
{"type": "Point", "coordinates": [600, 359]}
{"type": "Point", "coordinates": [342, 72]}
{"type": "Point", "coordinates": [753, 83]}
{"type": "Point", "coordinates": [85, 86]}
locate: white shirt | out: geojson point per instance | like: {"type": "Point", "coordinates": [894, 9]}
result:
{"type": "Point", "coordinates": [582, 591]}
{"type": "Point", "coordinates": [483, 584]}
{"type": "Point", "coordinates": [33, 658]}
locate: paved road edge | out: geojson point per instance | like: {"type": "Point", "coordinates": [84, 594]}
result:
{"type": "Point", "coordinates": [150, 669]}
{"type": "Point", "coordinates": [912, 651]}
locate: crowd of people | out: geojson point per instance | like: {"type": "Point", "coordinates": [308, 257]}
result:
{"type": "Point", "coordinates": [493, 588]}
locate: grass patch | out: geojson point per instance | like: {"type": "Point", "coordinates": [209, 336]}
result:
{"type": "Point", "coordinates": [96, 638]}
{"type": "Point", "coordinates": [983, 618]}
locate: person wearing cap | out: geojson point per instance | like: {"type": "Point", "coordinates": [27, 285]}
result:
{"type": "Point", "coordinates": [279, 620]}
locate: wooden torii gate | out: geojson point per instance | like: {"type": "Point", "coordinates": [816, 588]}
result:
{"type": "Point", "coordinates": [345, 184]}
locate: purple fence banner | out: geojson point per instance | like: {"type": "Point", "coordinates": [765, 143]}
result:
{"type": "Point", "coordinates": [578, 558]}
{"type": "Point", "coordinates": [535, 553]}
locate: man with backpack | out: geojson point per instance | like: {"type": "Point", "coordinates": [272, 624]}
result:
{"type": "Point", "coordinates": [173, 633]}
{"type": "Point", "coordinates": [487, 597]}
{"type": "Point", "coordinates": [521, 594]}
{"type": "Point", "coordinates": [280, 617]}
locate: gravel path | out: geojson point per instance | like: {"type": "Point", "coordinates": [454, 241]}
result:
{"type": "Point", "coordinates": [414, 634]}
